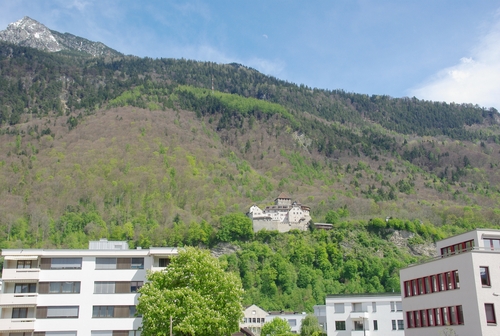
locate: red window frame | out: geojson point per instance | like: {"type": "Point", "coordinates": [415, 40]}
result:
{"type": "Point", "coordinates": [487, 271]}
{"type": "Point", "coordinates": [490, 310]}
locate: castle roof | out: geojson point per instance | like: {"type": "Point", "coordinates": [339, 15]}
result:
{"type": "Point", "coordinates": [283, 195]}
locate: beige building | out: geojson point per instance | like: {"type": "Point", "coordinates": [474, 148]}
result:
{"type": "Point", "coordinates": [283, 216]}
{"type": "Point", "coordinates": [254, 318]}
{"type": "Point", "coordinates": [457, 292]}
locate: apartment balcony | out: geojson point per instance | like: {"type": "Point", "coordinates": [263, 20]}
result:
{"type": "Point", "coordinates": [19, 325]}
{"type": "Point", "coordinates": [158, 269]}
{"type": "Point", "coordinates": [356, 315]}
{"type": "Point", "coordinates": [20, 274]}
{"type": "Point", "coordinates": [18, 299]}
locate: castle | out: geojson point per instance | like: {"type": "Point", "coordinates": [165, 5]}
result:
{"type": "Point", "coordinates": [283, 216]}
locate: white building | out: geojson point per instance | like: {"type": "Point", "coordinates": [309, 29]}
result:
{"type": "Point", "coordinates": [364, 315]}
{"type": "Point", "coordinates": [254, 318]}
{"type": "Point", "coordinates": [283, 216]}
{"type": "Point", "coordinates": [458, 291]}
{"type": "Point", "coordinates": [76, 292]}
{"type": "Point", "coordinates": [320, 313]}
{"type": "Point", "coordinates": [294, 319]}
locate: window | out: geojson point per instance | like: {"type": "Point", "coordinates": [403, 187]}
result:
{"type": "Point", "coordinates": [493, 244]}
{"type": "Point", "coordinates": [57, 312]}
{"type": "Point", "coordinates": [374, 307]}
{"type": "Point", "coordinates": [292, 322]}
{"type": "Point", "coordinates": [393, 306]}
{"type": "Point", "coordinates": [399, 306]}
{"type": "Point", "coordinates": [54, 333]}
{"type": "Point", "coordinates": [137, 263]}
{"type": "Point", "coordinates": [393, 324]}
{"type": "Point", "coordinates": [485, 276]}
{"type": "Point", "coordinates": [103, 311]}
{"type": "Point", "coordinates": [439, 320]}
{"type": "Point", "coordinates": [441, 282]}
{"type": "Point", "coordinates": [66, 287]}
{"type": "Point", "coordinates": [401, 324]}
{"type": "Point", "coordinates": [423, 313]}
{"type": "Point", "coordinates": [163, 262]}
{"type": "Point", "coordinates": [339, 325]}
{"type": "Point", "coordinates": [490, 313]}
{"type": "Point", "coordinates": [105, 263]}
{"type": "Point", "coordinates": [410, 319]}
{"type": "Point", "coordinates": [62, 312]}
{"type": "Point", "coordinates": [24, 263]}
{"type": "Point", "coordinates": [338, 308]}
{"type": "Point", "coordinates": [456, 280]}
{"type": "Point", "coordinates": [421, 289]}
{"type": "Point", "coordinates": [358, 325]}
{"type": "Point", "coordinates": [446, 318]}
{"type": "Point", "coordinates": [375, 325]}
{"type": "Point", "coordinates": [25, 288]}
{"type": "Point", "coordinates": [19, 312]}
{"type": "Point", "coordinates": [434, 283]}
{"type": "Point", "coordinates": [430, 317]}
{"type": "Point", "coordinates": [408, 288]}
{"type": "Point", "coordinates": [357, 307]}
{"type": "Point", "coordinates": [104, 287]}
{"type": "Point", "coordinates": [66, 263]}
{"type": "Point", "coordinates": [135, 286]}
{"type": "Point", "coordinates": [460, 315]}
{"type": "Point", "coordinates": [428, 288]}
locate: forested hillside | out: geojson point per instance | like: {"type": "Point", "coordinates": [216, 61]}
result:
{"type": "Point", "coordinates": [145, 150]}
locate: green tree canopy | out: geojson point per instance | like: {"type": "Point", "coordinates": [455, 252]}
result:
{"type": "Point", "coordinates": [200, 297]}
{"type": "Point", "coordinates": [235, 227]}
{"type": "Point", "coordinates": [276, 327]}
{"type": "Point", "coordinates": [310, 326]}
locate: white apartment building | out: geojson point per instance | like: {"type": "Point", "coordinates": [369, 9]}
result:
{"type": "Point", "coordinates": [458, 291]}
{"type": "Point", "coordinates": [364, 315]}
{"type": "Point", "coordinates": [76, 292]}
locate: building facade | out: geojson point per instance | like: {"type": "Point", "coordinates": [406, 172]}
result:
{"type": "Point", "coordinates": [457, 292]}
{"type": "Point", "coordinates": [364, 315]}
{"type": "Point", "coordinates": [254, 318]}
{"type": "Point", "coordinates": [283, 216]}
{"type": "Point", "coordinates": [76, 292]}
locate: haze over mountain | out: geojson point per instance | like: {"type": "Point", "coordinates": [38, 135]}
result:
{"type": "Point", "coordinates": [165, 151]}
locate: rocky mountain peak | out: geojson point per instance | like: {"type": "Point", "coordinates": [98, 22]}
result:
{"type": "Point", "coordinates": [30, 33]}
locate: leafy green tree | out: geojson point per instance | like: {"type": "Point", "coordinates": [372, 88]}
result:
{"type": "Point", "coordinates": [331, 217]}
{"type": "Point", "coordinates": [196, 293]}
{"type": "Point", "coordinates": [310, 326]}
{"type": "Point", "coordinates": [276, 327]}
{"type": "Point", "coordinates": [234, 227]}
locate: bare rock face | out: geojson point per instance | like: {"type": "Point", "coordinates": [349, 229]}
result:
{"type": "Point", "coordinates": [30, 33]}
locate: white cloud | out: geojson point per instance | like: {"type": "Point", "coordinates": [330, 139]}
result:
{"type": "Point", "coordinates": [474, 79]}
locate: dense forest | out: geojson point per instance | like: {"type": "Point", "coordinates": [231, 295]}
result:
{"type": "Point", "coordinates": [169, 152]}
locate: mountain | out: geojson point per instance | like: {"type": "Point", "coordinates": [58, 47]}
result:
{"type": "Point", "coordinates": [30, 33]}
{"type": "Point", "coordinates": [165, 152]}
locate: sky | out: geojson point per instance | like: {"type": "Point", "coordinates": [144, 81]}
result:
{"type": "Point", "coordinates": [441, 50]}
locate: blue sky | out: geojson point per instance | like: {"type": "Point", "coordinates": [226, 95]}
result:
{"type": "Point", "coordinates": [444, 50]}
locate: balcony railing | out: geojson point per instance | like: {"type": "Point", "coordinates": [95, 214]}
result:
{"type": "Point", "coordinates": [20, 274]}
{"type": "Point", "coordinates": [12, 325]}
{"type": "Point", "coordinates": [472, 249]}
{"type": "Point", "coordinates": [18, 299]}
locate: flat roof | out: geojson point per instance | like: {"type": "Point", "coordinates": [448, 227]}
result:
{"type": "Point", "coordinates": [363, 295]}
